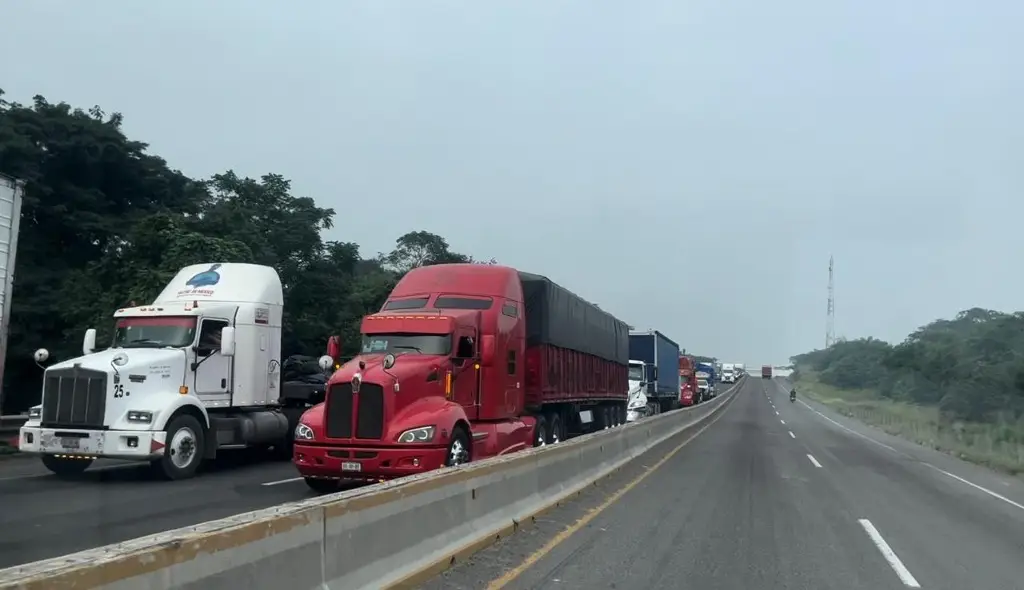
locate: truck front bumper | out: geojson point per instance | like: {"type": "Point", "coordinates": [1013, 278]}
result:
{"type": "Point", "coordinates": [365, 463]}
{"type": "Point", "coordinates": [133, 445]}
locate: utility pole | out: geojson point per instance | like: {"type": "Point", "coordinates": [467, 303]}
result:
{"type": "Point", "coordinates": [830, 318]}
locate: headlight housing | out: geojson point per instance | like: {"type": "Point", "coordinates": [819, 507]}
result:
{"type": "Point", "coordinates": [140, 417]}
{"type": "Point", "coordinates": [303, 432]}
{"type": "Point", "coordinates": [422, 434]}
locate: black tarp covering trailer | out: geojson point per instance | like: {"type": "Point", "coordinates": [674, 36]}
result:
{"type": "Point", "coordinates": [558, 317]}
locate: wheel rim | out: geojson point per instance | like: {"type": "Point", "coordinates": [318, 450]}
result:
{"type": "Point", "coordinates": [183, 448]}
{"type": "Point", "coordinates": [540, 436]}
{"type": "Point", "coordinates": [554, 433]}
{"type": "Point", "coordinates": [458, 454]}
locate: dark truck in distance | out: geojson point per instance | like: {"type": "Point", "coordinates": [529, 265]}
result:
{"type": "Point", "coordinates": [465, 362]}
{"type": "Point", "coordinates": [658, 358]}
{"type": "Point", "coordinates": [766, 371]}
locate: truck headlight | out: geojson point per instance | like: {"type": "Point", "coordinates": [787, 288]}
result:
{"type": "Point", "coordinates": [303, 432]}
{"type": "Point", "coordinates": [35, 413]}
{"type": "Point", "coordinates": [422, 434]}
{"type": "Point", "coordinates": [140, 417]}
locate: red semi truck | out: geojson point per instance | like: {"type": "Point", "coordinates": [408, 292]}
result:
{"type": "Point", "coordinates": [464, 362]}
{"type": "Point", "coordinates": [766, 371]}
{"type": "Point", "coordinates": [687, 382]}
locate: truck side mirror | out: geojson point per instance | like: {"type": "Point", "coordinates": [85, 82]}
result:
{"type": "Point", "coordinates": [487, 350]}
{"type": "Point", "coordinates": [89, 342]}
{"type": "Point", "coordinates": [227, 341]}
{"type": "Point", "coordinates": [333, 348]}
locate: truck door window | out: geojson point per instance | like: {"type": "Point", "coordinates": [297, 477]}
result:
{"type": "Point", "coordinates": [209, 337]}
{"type": "Point", "coordinates": [465, 349]}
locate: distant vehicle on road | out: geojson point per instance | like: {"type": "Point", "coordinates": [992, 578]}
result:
{"type": "Point", "coordinates": [766, 371]}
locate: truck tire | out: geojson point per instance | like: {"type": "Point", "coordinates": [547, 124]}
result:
{"type": "Point", "coordinates": [459, 451]}
{"type": "Point", "coordinates": [554, 434]}
{"type": "Point", "coordinates": [540, 432]}
{"type": "Point", "coordinates": [322, 486]}
{"type": "Point", "coordinates": [65, 467]}
{"type": "Point", "coordinates": [186, 442]}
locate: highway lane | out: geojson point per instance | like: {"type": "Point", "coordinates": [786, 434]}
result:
{"type": "Point", "coordinates": [47, 517]}
{"type": "Point", "coordinates": [772, 495]}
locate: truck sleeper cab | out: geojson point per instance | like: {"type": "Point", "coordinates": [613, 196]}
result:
{"type": "Point", "coordinates": [453, 369]}
{"type": "Point", "coordinates": [196, 371]}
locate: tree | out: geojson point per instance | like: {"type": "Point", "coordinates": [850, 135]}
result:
{"type": "Point", "coordinates": [105, 223]}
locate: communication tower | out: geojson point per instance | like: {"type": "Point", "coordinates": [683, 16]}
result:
{"type": "Point", "coordinates": [830, 318]}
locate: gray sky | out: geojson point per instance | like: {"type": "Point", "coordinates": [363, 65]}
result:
{"type": "Point", "coordinates": [689, 165]}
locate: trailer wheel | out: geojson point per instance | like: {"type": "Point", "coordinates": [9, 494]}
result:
{"type": "Point", "coordinates": [458, 450]}
{"type": "Point", "coordinates": [64, 466]}
{"type": "Point", "coordinates": [622, 413]}
{"type": "Point", "coordinates": [540, 432]}
{"type": "Point", "coordinates": [322, 486]}
{"type": "Point", "coordinates": [184, 451]}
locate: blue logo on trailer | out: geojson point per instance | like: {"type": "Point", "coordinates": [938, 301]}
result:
{"type": "Point", "coordinates": [207, 278]}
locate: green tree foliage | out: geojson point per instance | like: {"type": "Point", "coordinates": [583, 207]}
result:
{"type": "Point", "coordinates": [105, 224]}
{"type": "Point", "coordinates": [971, 367]}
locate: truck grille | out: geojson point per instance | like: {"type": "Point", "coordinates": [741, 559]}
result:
{"type": "Point", "coordinates": [366, 407]}
{"type": "Point", "coordinates": [74, 398]}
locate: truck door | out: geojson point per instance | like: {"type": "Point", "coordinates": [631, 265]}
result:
{"type": "Point", "coordinates": [213, 375]}
{"type": "Point", "coordinates": [465, 376]}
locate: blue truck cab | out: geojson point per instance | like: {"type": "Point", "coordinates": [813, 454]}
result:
{"type": "Point", "coordinates": [654, 365]}
{"type": "Point", "coordinates": [706, 379]}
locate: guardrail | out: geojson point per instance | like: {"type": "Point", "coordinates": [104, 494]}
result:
{"type": "Point", "coordinates": [10, 425]}
{"type": "Point", "coordinates": [387, 535]}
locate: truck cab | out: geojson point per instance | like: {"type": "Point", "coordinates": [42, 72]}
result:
{"type": "Point", "coordinates": [439, 380]}
{"type": "Point", "coordinates": [636, 407]}
{"type": "Point", "coordinates": [194, 371]}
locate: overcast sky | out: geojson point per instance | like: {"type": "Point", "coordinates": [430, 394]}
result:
{"type": "Point", "coordinates": [687, 165]}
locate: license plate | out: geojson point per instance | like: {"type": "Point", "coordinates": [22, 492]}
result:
{"type": "Point", "coordinates": [71, 442]}
{"type": "Point", "coordinates": [351, 466]}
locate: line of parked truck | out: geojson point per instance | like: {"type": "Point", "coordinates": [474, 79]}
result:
{"type": "Point", "coordinates": [461, 363]}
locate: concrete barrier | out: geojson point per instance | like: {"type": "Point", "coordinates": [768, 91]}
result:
{"type": "Point", "coordinates": [391, 534]}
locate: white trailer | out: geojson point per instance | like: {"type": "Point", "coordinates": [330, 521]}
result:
{"type": "Point", "coordinates": [11, 193]}
{"type": "Point", "coordinates": [195, 371]}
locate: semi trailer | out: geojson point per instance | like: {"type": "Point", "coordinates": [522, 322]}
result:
{"type": "Point", "coordinates": [654, 365]}
{"type": "Point", "coordinates": [465, 362]}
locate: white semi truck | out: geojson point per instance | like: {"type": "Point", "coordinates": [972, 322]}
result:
{"type": "Point", "coordinates": [196, 371]}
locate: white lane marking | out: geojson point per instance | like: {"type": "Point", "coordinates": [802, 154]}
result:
{"type": "Point", "coordinates": [776, 412]}
{"type": "Point", "coordinates": [995, 495]}
{"type": "Point", "coordinates": [791, 435]}
{"type": "Point", "coordinates": [901, 570]}
{"type": "Point", "coordinates": [279, 482]}
{"type": "Point", "coordinates": [867, 438]}
{"type": "Point", "coordinates": [813, 460]}
{"type": "Point", "coordinates": [977, 487]}
{"type": "Point", "coordinates": [783, 422]}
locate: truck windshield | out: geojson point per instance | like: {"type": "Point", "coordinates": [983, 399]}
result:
{"type": "Point", "coordinates": [436, 344]}
{"type": "Point", "coordinates": [636, 372]}
{"type": "Point", "coordinates": [154, 332]}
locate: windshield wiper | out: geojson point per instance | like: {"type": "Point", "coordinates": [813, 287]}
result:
{"type": "Point", "coordinates": [142, 342]}
{"type": "Point", "coordinates": [409, 347]}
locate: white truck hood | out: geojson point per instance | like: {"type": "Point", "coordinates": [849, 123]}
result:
{"type": "Point", "coordinates": [141, 361]}
{"type": "Point", "coordinates": [636, 397]}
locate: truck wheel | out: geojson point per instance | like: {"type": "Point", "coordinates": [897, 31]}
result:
{"type": "Point", "coordinates": [622, 413]}
{"type": "Point", "coordinates": [64, 467]}
{"type": "Point", "coordinates": [184, 450]}
{"type": "Point", "coordinates": [322, 486]}
{"type": "Point", "coordinates": [554, 434]}
{"type": "Point", "coordinates": [458, 450]}
{"type": "Point", "coordinates": [540, 432]}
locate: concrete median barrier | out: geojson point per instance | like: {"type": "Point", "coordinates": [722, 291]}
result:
{"type": "Point", "coordinates": [386, 535]}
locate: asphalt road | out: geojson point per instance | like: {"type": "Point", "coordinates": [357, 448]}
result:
{"type": "Point", "coordinates": [773, 494]}
{"type": "Point", "coordinates": [46, 517]}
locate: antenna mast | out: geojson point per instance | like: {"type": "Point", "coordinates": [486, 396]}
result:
{"type": "Point", "coordinates": [830, 319]}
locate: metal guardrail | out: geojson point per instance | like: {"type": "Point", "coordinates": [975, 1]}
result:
{"type": "Point", "coordinates": [9, 425]}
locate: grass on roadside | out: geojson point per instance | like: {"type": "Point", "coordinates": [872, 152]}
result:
{"type": "Point", "coordinates": [1000, 446]}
